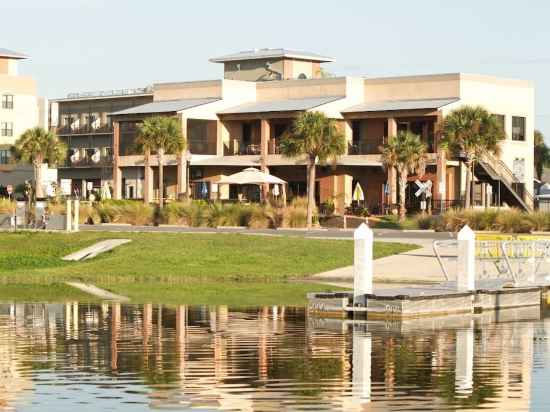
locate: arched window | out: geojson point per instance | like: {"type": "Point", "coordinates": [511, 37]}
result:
{"type": "Point", "coordinates": [302, 76]}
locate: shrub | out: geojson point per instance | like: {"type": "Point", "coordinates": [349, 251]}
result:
{"type": "Point", "coordinates": [540, 221]}
{"type": "Point", "coordinates": [7, 207]}
{"type": "Point", "coordinates": [57, 208]}
{"type": "Point", "coordinates": [88, 214]}
{"type": "Point", "coordinates": [513, 221]}
{"type": "Point", "coordinates": [295, 214]}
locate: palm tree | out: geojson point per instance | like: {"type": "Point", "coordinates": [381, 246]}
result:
{"type": "Point", "coordinates": [468, 133]}
{"type": "Point", "coordinates": [407, 153]}
{"type": "Point", "coordinates": [541, 155]}
{"type": "Point", "coordinates": [38, 146]}
{"type": "Point", "coordinates": [162, 135]}
{"type": "Point", "coordinates": [316, 137]}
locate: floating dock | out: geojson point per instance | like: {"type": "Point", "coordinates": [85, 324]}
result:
{"type": "Point", "coordinates": [469, 293]}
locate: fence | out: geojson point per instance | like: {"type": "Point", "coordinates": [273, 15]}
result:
{"type": "Point", "coordinates": [520, 262]}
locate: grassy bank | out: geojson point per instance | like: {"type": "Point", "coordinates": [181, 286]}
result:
{"type": "Point", "coordinates": [196, 268]}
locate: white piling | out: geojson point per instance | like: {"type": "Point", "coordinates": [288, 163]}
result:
{"type": "Point", "coordinates": [76, 213]}
{"type": "Point", "coordinates": [464, 372]}
{"type": "Point", "coordinates": [466, 268]}
{"type": "Point", "coordinates": [69, 217]}
{"type": "Point", "coordinates": [362, 262]}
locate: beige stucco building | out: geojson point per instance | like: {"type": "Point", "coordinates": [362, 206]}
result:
{"type": "Point", "coordinates": [20, 109]}
{"type": "Point", "coordinates": [238, 121]}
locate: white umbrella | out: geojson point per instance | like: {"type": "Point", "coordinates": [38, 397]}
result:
{"type": "Point", "coordinates": [105, 192]}
{"type": "Point", "coordinates": [358, 194]}
{"type": "Point", "coordinates": [251, 176]}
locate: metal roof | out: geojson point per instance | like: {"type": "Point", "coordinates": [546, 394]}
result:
{"type": "Point", "coordinates": [12, 54]}
{"type": "Point", "coordinates": [271, 54]}
{"type": "Point", "coordinates": [390, 105]}
{"type": "Point", "coordinates": [288, 105]}
{"type": "Point", "coordinates": [165, 106]}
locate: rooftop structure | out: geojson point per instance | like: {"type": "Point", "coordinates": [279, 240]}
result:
{"type": "Point", "coordinates": [10, 54]}
{"type": "Point", "coordinates": [256, 54]}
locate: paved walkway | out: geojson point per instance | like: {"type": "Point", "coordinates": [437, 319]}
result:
{"type": "Point", "coordinates": [416, 267]}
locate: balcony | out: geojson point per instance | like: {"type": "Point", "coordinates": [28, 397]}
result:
{"type": "Point", "coordinates": [86, 129]}
{"type": "Point", "coordinates": [89, 157]}
{"type": "Point", "coordinates": [365, 148]}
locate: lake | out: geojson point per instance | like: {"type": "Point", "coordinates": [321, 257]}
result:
{"type": "Point", "coordinates": [119, 357]}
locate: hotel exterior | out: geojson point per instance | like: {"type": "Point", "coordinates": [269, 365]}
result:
{"type": "Point", "coordinates": [20, 109]}
{"type": "Point", "coordinates": [238, 121]}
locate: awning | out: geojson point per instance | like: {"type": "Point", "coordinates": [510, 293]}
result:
{"type": "Point", "coordinates": [287, 105]}
{"type": "Point", "coordinates": [251, 176]}
{"type": "Point", "coordinates": [392, 105]}
{"type": "Point", "coordinates": [165, 106]}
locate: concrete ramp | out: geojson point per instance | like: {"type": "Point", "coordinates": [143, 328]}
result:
{"type": "Point", "coordinates": [94, 250]}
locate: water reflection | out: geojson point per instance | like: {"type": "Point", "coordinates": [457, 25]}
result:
{"type": "Point", "coordinates": [142, 357]}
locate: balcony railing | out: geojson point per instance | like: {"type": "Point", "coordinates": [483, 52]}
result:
{"type": "Point", "coordinates": [89, 157]}
{"type": "Point", "coordinates": [364, 148]}
{"type": "Point", "coordinates": [86, 129]}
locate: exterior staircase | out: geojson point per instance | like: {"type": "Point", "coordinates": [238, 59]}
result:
{"type": "Point", "coordinates": [491, 170]}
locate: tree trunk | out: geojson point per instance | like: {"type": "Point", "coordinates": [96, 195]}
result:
{"type": "Point", "coordinates": [468, 185]}
{"type": "Point", "coordinates": [310, 191]}
{"type": "Point", "coordinates": [402, 194]}
{"type": "Point", "coordinates": [146, 183]}
{"type": "Point", "coordinates": [161, 177]}
{"type": "Point", "coordinates": [38, 190]}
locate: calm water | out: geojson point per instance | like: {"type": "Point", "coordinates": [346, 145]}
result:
{"type": "Point", "coordinates": [80, 357]}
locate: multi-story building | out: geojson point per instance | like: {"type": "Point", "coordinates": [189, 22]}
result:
{"type": "Point", "coordinates": [20, 109]}
{"type": "Point", "coordinates": [81, 120]}
{"type": "Point", "coordinates": [237, 122]}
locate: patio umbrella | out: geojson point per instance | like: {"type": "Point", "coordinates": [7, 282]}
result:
{"type": "Point", "coordinates": [275, 190]}
{"type": "Point", "coordinates": [251, 176]}
{"type": "Point", "coordinates": [105, 192]}
{"type": "Point", "coordinates": [358, 194]}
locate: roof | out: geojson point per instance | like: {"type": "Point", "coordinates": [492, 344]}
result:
{"type": "Point", "coordinates": [271, 54]}
{"type": "Point", "coordinates": [390, 105]}
{"type": "Point", "coordinates": [165, 106]}
{"type": "Point", "coordinates": [12, 54]}
{"type": "Point", "coordinates": [288, 105]}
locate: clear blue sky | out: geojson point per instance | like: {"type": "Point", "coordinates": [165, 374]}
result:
{"type": "Point", "coordinates": [81, 45]}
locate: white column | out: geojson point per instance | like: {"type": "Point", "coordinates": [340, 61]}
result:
{"type": "Point", "coordinates": [362, 262]}
{"type": "Point", "coordinates": [464, 370]}
{"type": "Point", "coordinates": [466, 269]}
{"type": "Point", "coordinates": [68, 217]}
{"type": "Point", "coordinates": [76, 220]}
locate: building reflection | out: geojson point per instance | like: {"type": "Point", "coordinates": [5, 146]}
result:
{"type": "Point", "coordinates": [274, 358]}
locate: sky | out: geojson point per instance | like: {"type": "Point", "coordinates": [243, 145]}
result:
{"type": "Point", "coordinates": [86, 45]}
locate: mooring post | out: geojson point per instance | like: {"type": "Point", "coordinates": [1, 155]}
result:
{"type": "Point", "coordinates": [76, 211]}
{"type": "Point", "coordinates": [466, 268]}
{"type": "Point", "coordinates": [69, 216]}
{"type": "Point", "coordinates": [362, 263]}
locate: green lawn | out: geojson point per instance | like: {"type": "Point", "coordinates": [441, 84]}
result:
{"type": "Point", "coordinates": [197, 267]}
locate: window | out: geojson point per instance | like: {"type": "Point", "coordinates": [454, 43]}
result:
{"type": "Point", "coordinates": [6, 129]}
{"type": "Point", "coordinates": [4, 156]}
{"type": "Point", "coordinates": [501, 119]}
{"type": "Point", "coordinates": [518, 128]}
{"type": "Point", "coordinates": [7, 101]}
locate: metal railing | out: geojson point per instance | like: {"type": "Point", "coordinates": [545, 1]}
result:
{"type": "Point", "coordinates": [111, 93]}
{"type": "Point", "coordinates": [518, 261]}
{"type": "Point", "coordinates": [86, 129]}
